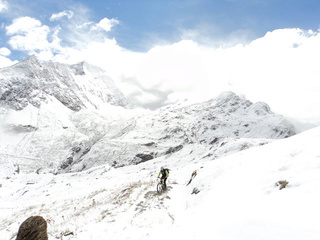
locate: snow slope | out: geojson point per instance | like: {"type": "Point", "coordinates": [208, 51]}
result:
{"type": "Point", "coordinates": [237, 197]}
{"type": "Point", "coordinates": [71, 152]}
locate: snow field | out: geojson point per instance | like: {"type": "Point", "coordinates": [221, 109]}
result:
{"type": "Point", "coordinates": [237, 197]}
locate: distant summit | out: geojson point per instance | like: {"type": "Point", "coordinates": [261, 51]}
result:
{"type": "Point", "coordinates": [76, 86]}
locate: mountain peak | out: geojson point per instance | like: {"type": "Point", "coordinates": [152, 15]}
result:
{"type": "Point", "coordinates": [33, 82]}
{"type": "Point", "coordinates": [30, 61]}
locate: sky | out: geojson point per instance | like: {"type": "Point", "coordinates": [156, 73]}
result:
{"type": "Point", "coordinates": [162, 52]}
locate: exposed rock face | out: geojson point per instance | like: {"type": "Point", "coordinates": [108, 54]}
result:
{"type": "Point", "coordinates": [34, 82]}
{"type": "Point", "coordinates": [34, 228]}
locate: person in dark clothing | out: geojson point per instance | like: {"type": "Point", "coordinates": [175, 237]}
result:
{"type": "Point", "coordinates": [164, 173]}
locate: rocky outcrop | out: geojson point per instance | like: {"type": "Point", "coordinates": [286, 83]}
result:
{"type": "Point", "coordinates": [34, 228]}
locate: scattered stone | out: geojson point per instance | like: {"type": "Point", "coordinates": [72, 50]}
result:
{"type": "Point", "coordinates": [33, 228]}
{"type": "Point", "coordinates": [150, 144]}
{"type": "Point", "coordinates": [68, 234]}
{"type": "Point", "coordinates": [215, 140]}
{"type": "Point", "coordinates": [76, 149]}
{"type": "Point", "coordinates": [281, 184]}
{"type": "Point", "coordinates": [195, 191]}
{"type": "Point", "coordinates": [17, 170]}
{"type": "Point", "coordinates": [67, 162]}
{"type": "Point", "coordinates": [193, 175]}
{"type": "Point", "coordinates": [86, 150]}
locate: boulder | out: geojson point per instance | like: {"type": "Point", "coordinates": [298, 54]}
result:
{"type": "Point", "coordinates": [33, 228]}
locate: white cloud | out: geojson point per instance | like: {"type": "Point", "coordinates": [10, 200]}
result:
{"type": "Point", "coordinates": [67, 13]}
{"type": "Point", "coordinates": [280, 68]}
{"type": "Point", "coordinates": [22, 25]}
{"type": "Point", "coordinates": [3, 5]}
{"type": "Point", "coordinates": [5, 62]}
{"type": "Point", "coordinates": [106, 24]}
{"type": "Point", "coordinates": [28, 34]}
{"type": "Point", "coordinates": [5, 52]}
{"type": "Point", "coordinates": [107, 55]}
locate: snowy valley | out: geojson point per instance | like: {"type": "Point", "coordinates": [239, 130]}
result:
{"type": "Point", "coordinates": [75, 151]}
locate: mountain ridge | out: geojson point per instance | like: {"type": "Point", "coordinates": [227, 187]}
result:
{"type": "Point", "coordinates": [32, 82]}
{"type": "Point", "coordinates": [70, 118]}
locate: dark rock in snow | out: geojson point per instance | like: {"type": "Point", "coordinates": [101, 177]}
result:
{"type": "Point", "coordinates": [174, 149]}
{"type": "Point", "coordinates": [33, 228]}
{"type": "Point", "coordinates": [67, 163]}
{"type": "Point", "coordinates": [281, 184]}
{"type": "Point", "coordinates": [144, 157]}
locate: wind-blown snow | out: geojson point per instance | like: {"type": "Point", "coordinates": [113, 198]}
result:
{"type": "Point", "coordinates": [237, 197]}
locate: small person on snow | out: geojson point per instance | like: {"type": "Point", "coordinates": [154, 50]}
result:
{"type": "Point", "coordinates": [164, 173]}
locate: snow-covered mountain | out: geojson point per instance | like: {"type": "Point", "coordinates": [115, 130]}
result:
{"type": "Point", "coordinates": [76, 86]}
{"type": "Point", "coordinates": [227, 123]}
{"type": "Point", "coordinates": [62, 118]}
{"type": "Point", "coordinates": [44, 105]}
{"type": "Point", "coordinates": [72, 151]}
